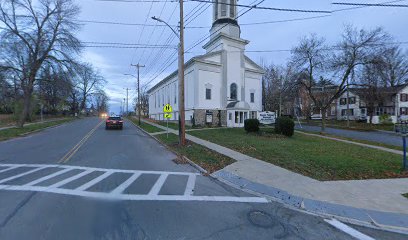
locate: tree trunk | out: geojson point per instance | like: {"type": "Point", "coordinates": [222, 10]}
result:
{"type": "Point", "coordinates": [26, 110]}
{"type": "Point", "coordinates": [323, 127]}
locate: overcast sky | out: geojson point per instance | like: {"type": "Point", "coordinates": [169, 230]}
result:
{"type": "Point", "coordinates": [115, 62]}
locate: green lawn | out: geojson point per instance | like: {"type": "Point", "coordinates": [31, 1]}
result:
{"type": "Point", "coordinates": [147, 127]}
{"type": "Point", "coordinates": [172, 125]}
{"type": "Point", "coordinates": [206, 158]}
{"type": "Point", "coordinates": [311, 156]}
{"type": "Point", "coordinates": [16, 132]}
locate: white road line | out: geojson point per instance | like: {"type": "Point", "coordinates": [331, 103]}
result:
{"type": "Point", "coordinates": [131, 197]}
{"type": "Point", "coordinates": [119, 189]}
{"type": "Point", "coordinates": [9, 168]}
{"type": "Point", "coordinates": [21, 175]}
{"type": "Point", "coordinates": [94, 181]}
{"type": "Point", "coordinates": [70, 179]}
{"type": "Point", "coordinates": [350, 231]}
{"type": "Point", "coordinates": [99, 169]}
{"type": "Point", "coordinates": [158, 185]}
{"type": "Point", "coordinates": [190, 185]}
{"type": "Point", "coordinates": [48, 177]}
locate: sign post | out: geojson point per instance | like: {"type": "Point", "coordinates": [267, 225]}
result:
{"type": "Point", "coordinates": [402, 129]}
{"type": "Point", "coordinates": [167, 109]}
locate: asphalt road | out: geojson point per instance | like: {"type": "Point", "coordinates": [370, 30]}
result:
{"type": "Point", "coordinates": [374, 136]}
{"type": "Point", "coordinates": [80, 181]}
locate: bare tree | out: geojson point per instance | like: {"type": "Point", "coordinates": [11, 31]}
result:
{"type": "Point", "coordinates": [101, 100]}
{"type": "Point", "coordinates": [336, 65]}
{"type": "Point", "coordinates": [33, 35]}
{"type": "Point", "coordinates": [87, 81]}
{"type": "Point", "coordinates": [393, 67]}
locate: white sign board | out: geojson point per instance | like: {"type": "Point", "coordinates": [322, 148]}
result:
{"type": "Point", "coordinates": [267, 117]}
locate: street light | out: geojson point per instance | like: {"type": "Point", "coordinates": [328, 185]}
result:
{"type": "Point", "coordinates": [182, 120]}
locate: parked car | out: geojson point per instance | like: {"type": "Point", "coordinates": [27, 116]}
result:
{"type": "Point", "coordinates": [114, 122]}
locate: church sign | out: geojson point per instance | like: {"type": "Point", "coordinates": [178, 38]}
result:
{"type": "Point", "coordinates": [267, 117]}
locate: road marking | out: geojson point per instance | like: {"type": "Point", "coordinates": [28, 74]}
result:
{"type": "Point", "coordinates": [117, 193]}
{"type": "Point", "coordinates": [21, 175]}
{"type": "Point", "coordinates": [190, 185]}
{"type": "Point", "coordinates": [48, 177]}
{"type": "Point", "coordinates": [94, 181]}
{"type": "Point", "coordinates": [158, 185]}
{"type": "Point", "coordinates": [9, 168]}
{"type": "Point", "coordinates": [70, 179]}
{"type": "Point", "coordinates": [350, 231]}
{"type": "Point", "coordinates": [119, 189]}
{"type": "Point", "coordinates": [75, 149]}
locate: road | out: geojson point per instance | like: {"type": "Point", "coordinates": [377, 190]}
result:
{"type": "Point", "coordinates": [80, 181]}
{"type": "Point", "coordinates": [373, 136]}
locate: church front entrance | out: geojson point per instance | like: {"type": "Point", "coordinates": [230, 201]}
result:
{"type": "Point", "coordinates": [237, 118]}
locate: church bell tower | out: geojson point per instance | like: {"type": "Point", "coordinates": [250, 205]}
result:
{"type": "Point", "coordinates": [224, 18]}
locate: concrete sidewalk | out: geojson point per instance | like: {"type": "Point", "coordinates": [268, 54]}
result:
{"type": "Point", "coordinates": [374, 201]}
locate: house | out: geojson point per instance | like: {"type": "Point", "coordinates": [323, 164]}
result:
{"type": "Point", "coordinates": [363, 104]}
{"type": "Point", "coordinates": [223, 86]}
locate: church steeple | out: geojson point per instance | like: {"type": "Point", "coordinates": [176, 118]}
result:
{"type": "Point", "coordinates": [224, 18]}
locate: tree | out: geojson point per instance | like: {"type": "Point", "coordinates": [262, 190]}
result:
{"type": "Point", "coordinates": [101, 100]}
{"type": "Point", "coordinates": [336, 65]}
{"type": "Point", "coordinates": [87, 82]}
{"type": "Point", "coordinates": [278, 85]}
{"type": "Point", "coordinates": [393, 66]}
{"type": "Point", "coordinates": [34, 35]}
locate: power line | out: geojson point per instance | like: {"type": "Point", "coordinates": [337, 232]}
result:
{"type": "Point", "coordinates": [266, 8]}
{"type": "Point", "coordinates": [371, 4]}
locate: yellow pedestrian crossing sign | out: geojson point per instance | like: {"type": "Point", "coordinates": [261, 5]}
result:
{"type": "Point", "coordinates": [167, 115]}
{"type": "Point", "coordinates": [167, 108]}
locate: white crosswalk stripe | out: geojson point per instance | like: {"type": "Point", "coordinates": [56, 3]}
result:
{"type": "Point", "coordinates": [117, 193]}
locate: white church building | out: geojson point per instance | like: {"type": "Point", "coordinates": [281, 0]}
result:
{"type": "Point", "coordinates": [222, 87]}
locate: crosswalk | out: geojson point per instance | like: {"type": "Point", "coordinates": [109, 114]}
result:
{"type": "Point", "coordinates": [84, 181]}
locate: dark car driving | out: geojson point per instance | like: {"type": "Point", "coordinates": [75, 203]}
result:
{"type": "Point", "coordinates": [114, 122]}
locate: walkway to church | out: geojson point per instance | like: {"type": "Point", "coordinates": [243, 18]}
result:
{"type": "Point", "coordinates": [377, 201]}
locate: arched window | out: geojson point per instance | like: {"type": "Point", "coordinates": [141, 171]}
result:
{"type": "Point", "coordinates": [223, 8]}
{"type": "Point", "coordinates": [233, 91]}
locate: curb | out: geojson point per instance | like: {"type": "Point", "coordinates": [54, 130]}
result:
{"type": "Point", "coordinates": [382, 220]}
{"type": "Point", "coordinates": [193, 164]}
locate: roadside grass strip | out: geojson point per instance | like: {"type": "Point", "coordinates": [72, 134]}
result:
{"type": "Point", "coordinates": [118, 193]}
{"type": "Point", "coordinates": [10, 133]}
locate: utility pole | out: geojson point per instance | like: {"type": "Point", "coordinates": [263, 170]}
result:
{"type": "Point", "coordinates": [348, 104]}
{"type": "Point", "coordinates": [127, 101]}
{"type": "Point", "coordinates": [124, 102]}
{"type": "Point", "coordinates": [138, 105]}
{"type": "Point", "coordinates": [182, 119]}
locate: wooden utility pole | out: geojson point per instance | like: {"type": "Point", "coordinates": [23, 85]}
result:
{"type": "Point", "coordinates": [182, 119]}
{"type": "Point", "coordinates": [138, 105]}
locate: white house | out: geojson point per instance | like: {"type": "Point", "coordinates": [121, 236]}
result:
{"type": "Point", "coordinates": [394, 102]}
{"type": "Point", "coordinates": [223, 86]}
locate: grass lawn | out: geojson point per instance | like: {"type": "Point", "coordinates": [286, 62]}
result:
{"type": "Point", "coordinates": [16, 132]}
{"type": "Point", "coordinates": [318, 158]}
{"type": "Point", "coordinates": [147, 127]}
{"type": "Point", "coordinates": [206, 158]}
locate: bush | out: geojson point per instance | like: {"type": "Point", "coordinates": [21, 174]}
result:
{"type": "Point", "coordinates": [285, 126]}
{"type": "Point", "coordinates": [385, 119]}
{"type": "Point", "coordinates": [251, 125]}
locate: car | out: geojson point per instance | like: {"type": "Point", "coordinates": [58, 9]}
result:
{"type": "Point", "coordinates": [114, 122]}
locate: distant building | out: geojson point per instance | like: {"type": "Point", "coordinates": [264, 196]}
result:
{"type": "Point", "coordinates": [392, 101]}
{"type": "Point", "coordinates": [223, 86]}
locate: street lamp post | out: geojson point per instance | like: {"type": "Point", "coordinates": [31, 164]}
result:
{"type": "Point", "coordinates": [182, 123]}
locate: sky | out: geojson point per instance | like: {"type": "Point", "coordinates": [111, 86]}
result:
{"type": "Point", "coordinates": [282, 33]}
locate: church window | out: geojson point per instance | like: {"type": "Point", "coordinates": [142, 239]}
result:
{"type": "Point", "coordinates": [208, 93]}
{"type": "Point", "coordinates": [252, 97]}
{"type": "Point", "coordinates": [233, 91]}
{"type": "Point", "coordinates": [223, 8]}
{"type": "Point", "coordinates": [216, 10]}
